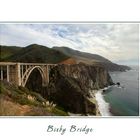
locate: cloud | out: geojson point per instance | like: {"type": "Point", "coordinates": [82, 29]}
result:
{"type": "Point", "coordinates": [117, 42]}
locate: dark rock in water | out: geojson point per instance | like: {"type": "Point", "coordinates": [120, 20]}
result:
{"type": "Point", "coordinates": [104, 90]}
{"type": "Point", "coordinates": [118, 83]}
{"type": "Point", "coordinates": [70, 84]}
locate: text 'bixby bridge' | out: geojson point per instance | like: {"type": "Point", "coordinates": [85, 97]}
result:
{"type": "Point", "coordinates": [18, 73]}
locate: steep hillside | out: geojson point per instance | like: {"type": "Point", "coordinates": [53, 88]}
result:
{"type": "Point", "coordinates": [71, 86]}
{"type": "Point", "coordinates": [81, 55]}
{"type": "Point", "coordinates": [91, 59]}
{"type": "Point", "coordinates": [36, 54]}
{"type": "Point", "coordinates": [7, 51]}
{"type": "Point", "coordinates": [19, 101]}
{"type": "Point", "coordinates": [69, 61]}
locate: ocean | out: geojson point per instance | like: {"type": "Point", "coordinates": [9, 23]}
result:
{"type": "Point", "coordinates": [121, 100]}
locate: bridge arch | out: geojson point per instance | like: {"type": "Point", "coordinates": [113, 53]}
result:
{"type": "Point", "coordinates": [28, 72]}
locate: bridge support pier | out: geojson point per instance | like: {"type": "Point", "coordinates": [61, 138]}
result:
{"type": "Point", "coordinates": [1, 73]}
{"type": "Point", "coordinates": [7, 73]}
{"type": "Point", "coordinates": [13, 74]}
{"type": "Point", "coordinates": [18, 80]}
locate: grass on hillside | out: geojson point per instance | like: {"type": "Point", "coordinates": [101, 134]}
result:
{"type": "Point", "coordinates": [15, 101]}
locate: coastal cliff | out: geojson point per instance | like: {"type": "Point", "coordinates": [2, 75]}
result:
{"type": "Point", "coordinates": [70, 86]}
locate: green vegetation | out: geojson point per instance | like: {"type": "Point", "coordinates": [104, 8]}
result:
{"type": "Point", "coordinates": [17, 101]}
{"type": "Point", "coordinates": [7, 51]}
{"type": "Point", "coordinates": [31, 54]}
{"type": "Point", "coordinates": [59, 112]}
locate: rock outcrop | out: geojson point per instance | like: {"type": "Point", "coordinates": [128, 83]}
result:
{"type": "Point", "coordinates": [70, 86]}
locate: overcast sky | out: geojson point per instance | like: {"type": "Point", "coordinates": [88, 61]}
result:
{"type": "Point", "coordinates": [116, 42]}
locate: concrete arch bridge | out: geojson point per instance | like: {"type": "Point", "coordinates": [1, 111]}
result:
{"type": "Point", "coordinates": [18, 73]}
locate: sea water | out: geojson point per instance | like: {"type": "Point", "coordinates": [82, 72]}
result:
{"type": "Point", "coordinates": [121, 100]}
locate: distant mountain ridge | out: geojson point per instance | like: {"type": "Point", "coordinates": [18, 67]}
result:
{"type": "Point", "coordinates": [91, 59]}
{"type": "Point", "coordinates": [35, 53]}
{"type": "Point", "coordinates": [79, 54]}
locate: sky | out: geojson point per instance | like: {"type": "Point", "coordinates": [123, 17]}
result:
{"type": "Point", "coordinates": [116, 42]}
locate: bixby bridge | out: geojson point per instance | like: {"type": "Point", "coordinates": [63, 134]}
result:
{"type": "Point", "coordinates": [18, 73]}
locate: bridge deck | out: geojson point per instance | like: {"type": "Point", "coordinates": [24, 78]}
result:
{"type": "Point", "coordinates": [34, 64]}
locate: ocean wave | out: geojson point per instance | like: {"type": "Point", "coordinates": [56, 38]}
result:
{"type": "Point", "coordinates": [102, 104]}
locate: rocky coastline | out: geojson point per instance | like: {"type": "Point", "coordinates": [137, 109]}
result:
{"type": "Point", "coordinates": [70, 87]}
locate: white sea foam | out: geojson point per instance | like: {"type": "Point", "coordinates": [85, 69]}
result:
{"type": "Point", "coordinates": [103, 105]}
